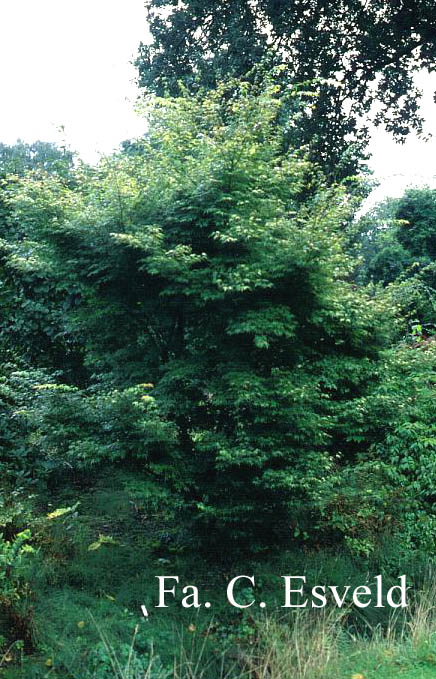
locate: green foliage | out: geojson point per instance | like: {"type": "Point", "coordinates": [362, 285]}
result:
{"type": "Point", "coordinates": [387, 258]}
{"type": "Point", "coordinates": [397, 236]}
{"type": "Point", "coordinates": [410, 440]}
{"type": "Point", "coordinates": [11, 557]}
{"type": "Point", "coordinates": [14, 587]}
{"type": "Point", "coordinates": [44, 156]}
{"type": "Point", "coordinates": [33, 299]}
{"type": "Point", "coordinates": [73, 429]}
{"type": "Point", "coordinates": [396, 250]}
{"type": "Point", "coordinates": [417, 212]}
{"type": "Point", "coordinates": [389, 493]}
{"type": "Point", "coordinates": [21, 469]}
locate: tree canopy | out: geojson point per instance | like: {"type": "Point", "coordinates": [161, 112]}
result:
{"type": "Point", "coordinates": [360, 58]}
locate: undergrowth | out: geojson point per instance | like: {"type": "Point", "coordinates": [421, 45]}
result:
{"type": "Point", "coordinates": [93, 562]}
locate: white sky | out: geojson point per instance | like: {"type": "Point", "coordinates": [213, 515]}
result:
{"type": "Point", "coordinates": [67, 63]}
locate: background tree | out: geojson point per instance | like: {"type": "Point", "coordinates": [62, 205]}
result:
{"type": "Point", "coordinates": [33, 301]}
{"type": "Point", "coordinates": [17, 158]}
{"type": "Point", "coordinates": [397, 245]}
{"type": "Point", "coordinates": [416, 210]}
{"type": "Point", "coordinates": [375, 239]}
{"type": "Point", "coordinates": [354, 54]}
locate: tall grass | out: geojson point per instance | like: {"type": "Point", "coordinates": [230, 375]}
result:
{"type": "Point", "coordinates": [301, 647]}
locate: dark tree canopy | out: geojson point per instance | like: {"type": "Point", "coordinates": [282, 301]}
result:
{"type": "Point", "coordinates": [417, 212]}
{"type": "Point", "coordinates": [398, 236]}
{"type": "Point", "coordinates": [357, 52]}
{"type": "Point", "coordinates": [31, 326]}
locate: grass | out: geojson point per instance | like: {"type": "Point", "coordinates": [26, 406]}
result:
{"type": "Point", "coordinates": [322, 647]}
{"type": "Point", "coordinates": [306, 645]}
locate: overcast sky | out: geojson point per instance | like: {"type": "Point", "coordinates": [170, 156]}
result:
{"type": "Point", "coordinates": [67, 64]}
